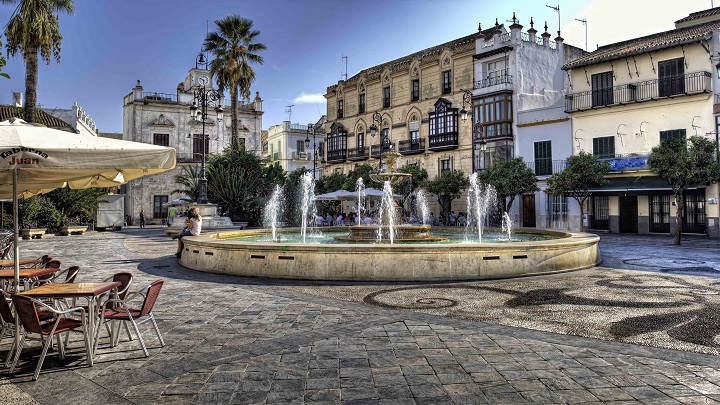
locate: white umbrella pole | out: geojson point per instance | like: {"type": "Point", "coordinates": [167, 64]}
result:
{"type": "Point", "coordinates": [16, 246]}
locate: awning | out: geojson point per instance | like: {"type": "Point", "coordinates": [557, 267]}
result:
{"type": "Point", "coordinates": [636, 185]}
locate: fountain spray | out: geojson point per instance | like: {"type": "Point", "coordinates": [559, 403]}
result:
{"type": "Point", "coordinates": [273, 211]}
{"type": "Point", "coordinates": [308, 202]}
{"type": "Point", "coordinates": [360, 200]}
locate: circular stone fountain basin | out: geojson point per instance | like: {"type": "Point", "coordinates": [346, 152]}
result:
{"type": "Point", "coordinates": [216, 253]}
{"type": "Point", "coordinates": [403, 233]}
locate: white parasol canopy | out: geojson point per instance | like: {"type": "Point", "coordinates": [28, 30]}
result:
{"type": "Point", "coordinates": [344, 195]}
{"type": "Point", "coordinates": [36, 159]}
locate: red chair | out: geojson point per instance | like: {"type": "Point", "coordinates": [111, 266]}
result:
{"type": "Point", "coordinates": [26, 309]}
{"type": "Point", "coordinates": [118, 310]}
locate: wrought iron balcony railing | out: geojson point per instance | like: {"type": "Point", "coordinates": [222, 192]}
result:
{"type": "Point", "coordinates": [411, 146]}
{"type": "Point", "coordinates": [492, 81]}
{"type": "Point", "coordinates": [336, 156]}
{"type": "Point", "coordinates": [375, 150]}
{"type": "Point", "coordinates": [361, 153]}
{"type": "Point", "coordinates": [689, 84]}
{"type": "Point", "coordinates": [159, 97]}
{"type": "Point", "coordinates": [443, 141]}
{"type": "Point", "coordinates": [546, 167]}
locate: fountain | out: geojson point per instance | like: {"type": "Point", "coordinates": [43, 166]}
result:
{"type": "Point", "coordinates": [421, 202]}
{"type": "Point", "coordinates": [360, 201]}
{"type": "Point", "coordinates": [272, 212]}
{"type": "Point", "coordinates": [307, 190]}
{"type": "Point", "coordinates": [362, 252]}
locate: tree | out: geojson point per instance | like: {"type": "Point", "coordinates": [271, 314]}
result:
{"type": "Point", "coordinates": [360, 171]}
{"type": "Point", "coordinates": [509, 178]}
{"type": "Point", "coordinates": [292, 194]}
{"type": "Point", "coordinates": [327, 184]}
{"type": "Point", "coordinates": [447, 187]}
{"type": "Point", "coordinates": [189, 180]}
{"type": "Point", "coordinates": [2, 64]}
{"type": "Point", "coordinates": [684, 166]}
{"type": "Point", "coordinates": [34, 28]}
{"type": "Point", "coordinates": [75, 206]}
{"type": "Point", "coordinates": [583, 171]}
{"type": "Point", "coordinates": [408, 187]}
{"type": "Point", "coordinates": [237, 182]}
{"type": "Point", "coordinates": [234, 49]}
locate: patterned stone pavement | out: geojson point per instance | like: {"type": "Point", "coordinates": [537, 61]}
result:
{"type": "Point", "coordinates": [237, 341]}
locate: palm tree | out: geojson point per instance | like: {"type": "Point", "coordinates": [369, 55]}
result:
{"type": "Point", "coordinates": [33, 28]}
{"type": "Point", "coordinates": [189, 180]}
{"type": "Point", "coordinates": [234, 49]}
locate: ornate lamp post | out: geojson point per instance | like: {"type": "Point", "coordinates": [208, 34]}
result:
{"type": "Point", "coordinates": [204, 98]}
{"type": "Point", "coordinates": [384, 140]}
{"type": "Point", "coordinates": [477, 129]}
{"type": "Point", "coordinates": [311, 130]}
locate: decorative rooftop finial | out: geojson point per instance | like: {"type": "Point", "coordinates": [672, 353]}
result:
{"type": "Point", "coordinates": [497, 26]}
{"type": "Point", "coordinates": [532, 23]}
{"type": "Point", "coordinates": [514, 19]}
{"type": "Point", "coordinates": [545, 26]}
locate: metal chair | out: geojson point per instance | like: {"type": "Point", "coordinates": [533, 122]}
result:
{"type": "Point", "coordinates": [121, 293]}
{"type": "Point", "coordinates": [118, 310]}
{"type": "Point", "coordinates": [26, 310]}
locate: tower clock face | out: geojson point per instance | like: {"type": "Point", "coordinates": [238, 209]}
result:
{"type": "Point", "coordinates": [203, 80]}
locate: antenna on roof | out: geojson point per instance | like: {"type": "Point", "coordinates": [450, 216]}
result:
{"type": "Point", "coordinates": [584, 22]}
{"type": "Point", "coordinates": [556, 8]}
{"type": "Point", "coordinates": [288, 111]}
{"type": "Point", "coordinates": [345, 58]}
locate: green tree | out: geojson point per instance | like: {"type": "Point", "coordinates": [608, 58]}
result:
{"type": "Point", "coordinates": [327, 184]}
{"type": "Point", "coordinates": [583, 171]}
{"type": "Point", "coordinates": [2, 65]}
{"type": "Point", "coordinates": [237, 182]}
{"type": "Point", "coordinates": [510, 179]}
{"type": "Point", "coordinates": [34, 28]}
{"type": "Point", "coordinates": [360, 171]}
{"type": "Point", "coordinates": [234, 48]}
{"type": "Point", "coordinates": [447, 187]}
{"type": "Point", "coordinates": [275, 174]}
{"type": "Point", "coordinates": [189, 181]}
{"type": "Point", "coordinates": [75, 206]}
{"type": "Point", "coordinates": [408, 187]}
{"type": "Point", "coordinates": [38, 212]}
{"type": "Point", "coordinates": [684, 166]}
{"type": "Point", "coordinates": [291, 192]}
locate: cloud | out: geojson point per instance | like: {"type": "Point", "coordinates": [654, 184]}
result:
{"type": "Point", "coordinates": [309, 98]}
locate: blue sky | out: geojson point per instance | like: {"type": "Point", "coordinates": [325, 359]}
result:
{"type": "Point", "coordinates": [108, 45]}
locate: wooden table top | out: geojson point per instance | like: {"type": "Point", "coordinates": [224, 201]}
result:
{"type": "Point", "coordinates": [11, 262]}
{"type": "Point", "coordinates": [63, 290]}
{"type": "Point", "coordinates": [26, 273]}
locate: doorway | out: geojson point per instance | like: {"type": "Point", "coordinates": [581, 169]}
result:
{"type": "Point", "coordinates": [628, 214]}
{"type": "Point", "coordinates": [528, 218]}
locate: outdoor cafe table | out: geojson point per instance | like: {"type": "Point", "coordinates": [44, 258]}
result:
{"type": "Point", "coordinates": [89, 291]}
{"type": "Point", "coordinates": [9, 274]}
{"type": "Point", "coordinates": [4, 263]}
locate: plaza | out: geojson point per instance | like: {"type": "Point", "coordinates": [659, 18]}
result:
{"type": "Point", "coordinates": [640, 328]}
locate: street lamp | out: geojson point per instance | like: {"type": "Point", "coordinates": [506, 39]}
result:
{"type": "Point", "coordinates": [384, 140]}
{"type": "Point", "coordinates": [477, 129]}
{"type": "Point", "coordinates": [311, 130]}
{"type": "Point", "coordinates": [202, 99]}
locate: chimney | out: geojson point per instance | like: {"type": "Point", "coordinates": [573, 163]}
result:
{"type": "Point", "coordinates": [17, 99]}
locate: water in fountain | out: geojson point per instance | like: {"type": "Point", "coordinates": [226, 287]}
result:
{"type": "Point", "coordinates": [481, 201]}
{"type": "Point", "coordinates": [272, 211]}
{"type": "Point", "coordinates": [387, 214]}
{"type": "Point", "coordinates": [422, 207]}
{"type": "Point", "coordinates": [360, 200]}
{"type": "Point", "coordinates": [507, 225]}
{"type": "Point", "coordinates": [308, 209]}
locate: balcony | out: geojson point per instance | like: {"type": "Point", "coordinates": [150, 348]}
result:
{"type": "Point", "coordinates": [546, 167]}
{"type": "Point", "coordinates": [411, 146]}
{"type": "Point", "coordinates": [492, 84]}
{"type": "Point", "coordinates": [649, 90]}
{"type": "Point", "coordinates": [336, 156]}
{"type": "Point", "coordinates": [375, 150]}
{"type": "Point", "coordinates": [443, 141]}
{"type": "Point", "coordinates": [159, 97]}
{"type": "Point", "coordinates": [621, 163]}
{"type": "Point", "coordinates": [361, 153]}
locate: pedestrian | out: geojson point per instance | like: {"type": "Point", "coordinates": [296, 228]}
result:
{"type": "Point", "coordinates": [172, 213]}
{"type": "Point", "coordinates": [193, 226]}
{"type": "Point", "coordinates": [142, 218]}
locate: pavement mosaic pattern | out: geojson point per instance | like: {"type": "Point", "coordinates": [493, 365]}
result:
{"type": "Point", "coordinates": [236, 341]}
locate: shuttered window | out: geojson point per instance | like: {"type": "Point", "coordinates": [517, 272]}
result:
{"type": "Point", "coordinates": [602, 89]}
{"type": "Point", "coordinates": [604, 147]}
{"type": "Point", "coordinates": [671, 77]}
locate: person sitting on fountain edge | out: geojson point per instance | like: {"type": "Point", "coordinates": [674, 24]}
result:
{"type": "Point", "coordinates": [193, 226]}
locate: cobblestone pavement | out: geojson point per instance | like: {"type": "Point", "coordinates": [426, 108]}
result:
{"type": "Point", "coordinates": [239, 340]}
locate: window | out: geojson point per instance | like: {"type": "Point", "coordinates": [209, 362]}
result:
{"type": "Point", "coordinates": [604, 147]}
{"type": "Point", "coordinates": [671, 77]}
{"type": "Point", "coordinates": [386, 97]}
{"type": "Point", "coordinates": [360, 139]}
{"type": "Point", "coordinates": [338, 170]}
{"type": "Point", "coordinates": [660, 213]}
{"type": "Point", "coordinates": [415, 90]}
{"type": "Point", "coordinates": [361, 104]}
{"type": "Point", "coordinates": [414, 128]}
{"type": "Point", "coordinates": [340, 108]}
{"type": "Point", "coordinates": [161, 139]}
{"type": "Point", "coordinates": [672, 134]}
{"type": "Point", "coordinates": [602, 89]}
{"type": "Point", "coordinates": [543, 158]}
{"type": "Point", "coordinates": [495, 70]}
{"type": "Point", "coordinates": [300, 146]}
{"type": "Point", "coordinates": [159, 210]}
{"type": "Point", "coordinates": [495, 114]}
{"type": "Point", "coordinates": [445, 166]}
{"type": "Point", "coordinates": [385, 135]}
{"type": "Point", "coordinates": [443, 120]}
{"type": "Point", "coordinates": [198, 147]}
{"type": "Point", "coordinates": [557, 206]}
{"type": "Point", "coordinates": [337, 141]}
{"type": "Point", "coordinates": [447, 82]}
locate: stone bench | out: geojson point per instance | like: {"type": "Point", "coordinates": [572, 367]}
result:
{"type": "Point", "coordinates": [73, 230]}
{"type": "Point", "coordinates": [32, 233]}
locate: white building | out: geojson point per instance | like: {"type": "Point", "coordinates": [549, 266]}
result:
{"type": "Point", "coordinates": [629, 96]}
{"type": "Point", "coordinates": [164, 119]}
{"type": "Point", "coordinates": [286, 145]}
{"type": "Point", "coordinates": [78, 119]}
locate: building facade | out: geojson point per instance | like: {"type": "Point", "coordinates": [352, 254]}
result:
{"type": "Point", "coordinates": [294, 146]}
{"type": "Point", "coordinates": [165, 119]}
{"type": "Point", "coordinates": [628, 97]}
